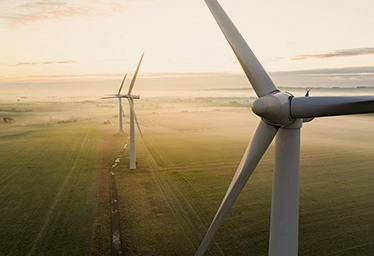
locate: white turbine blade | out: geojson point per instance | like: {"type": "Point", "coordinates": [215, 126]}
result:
{"type": "Point", "coordinates": [307, 107]}
{"type": "Point", "coordinates": [135, 75]}
{"type": "Point", "coordinates": [260, 142]}
{"type": "Point", "coordinates": [256, 74]}
{"type": "Point", "coordinates": [136, 119]}
{"type": "Point", "coordinates": [109, 97]}
{"type": "Point", "coordinates": [120, 88]}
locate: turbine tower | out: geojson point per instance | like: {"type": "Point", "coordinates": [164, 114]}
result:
{"type": "Point", "coordinates": [130, 97]}
{"type": "Point", "coordinates": [282, 116]}
{"type": "Point", "coordinates": [133, 118]}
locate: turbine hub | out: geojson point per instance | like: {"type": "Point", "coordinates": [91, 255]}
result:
{"type": "Point", "coordinates": [274, 108]}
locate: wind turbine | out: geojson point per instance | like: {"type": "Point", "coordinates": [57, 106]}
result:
{"type": "Point", "coordinates": [282, 116]}
{"type": "Point", "coordinates": [130, 97]}
{"type": "Point", "coordinates": [119, 96]}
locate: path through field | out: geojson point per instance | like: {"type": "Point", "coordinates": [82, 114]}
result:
{"type": "Point", "coordinates": [114, 206]}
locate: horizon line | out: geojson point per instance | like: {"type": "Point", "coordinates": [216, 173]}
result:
{"type": "Point", "coordinates": [97, 77]}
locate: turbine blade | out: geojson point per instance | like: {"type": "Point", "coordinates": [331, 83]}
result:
{"type": "Point", "coordinates": [260, 142]}
{"type": "Point", "coordinates": [136, 119]}
{"type": "Point", "coordinates": [109, 97]}
{"type": "Point", "coordinates": [120, 88]}
{"type": "Point", "coordinates": [306, 107]}
{"type": "Point", "coordinates": [135, 75]}
{"type": "Point", "coordinates": [256, 74]}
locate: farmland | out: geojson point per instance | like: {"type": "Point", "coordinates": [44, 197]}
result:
{"type": "Point", "coordinates": [193, 155]}
{"type": "Point", "coordinates": [50, 165]}
{"type": "Point", "coordinates": [54, 185]}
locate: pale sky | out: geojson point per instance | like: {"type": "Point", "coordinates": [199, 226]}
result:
{"type": "Point", "coordinates": [68, 40]}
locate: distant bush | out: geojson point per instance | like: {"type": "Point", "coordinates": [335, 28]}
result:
{"type": "Point", "coordinates": [67, 121]}
{"type": "Point", "coordinates": [7, 120]}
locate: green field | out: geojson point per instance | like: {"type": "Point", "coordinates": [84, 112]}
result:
{"type": "Point", "coordinates": [51, 161]}
{"type": "Point", "coordinates": [191, 156]}
{"type": "Point", "coordinates": [48, 185]}
{"type": "Point", "coordinates": [55, 158]}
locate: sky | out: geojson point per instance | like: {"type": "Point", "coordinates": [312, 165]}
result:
{"type": "Point", "coordinates": [70, 40]}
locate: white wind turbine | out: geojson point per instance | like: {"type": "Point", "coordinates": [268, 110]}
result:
{"type": "Point", "coordinates": [282, 116]}
{"type": "Point", "coordinates": [120, 112]}
{"type": "Point", "coordinates": [130, 97]}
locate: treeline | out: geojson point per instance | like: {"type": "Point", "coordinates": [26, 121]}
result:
{"type": "Point", "coordinates": [15, 110]}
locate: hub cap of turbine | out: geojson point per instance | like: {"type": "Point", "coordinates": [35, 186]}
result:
{"type": "Point", "coordinates": [274, 108]}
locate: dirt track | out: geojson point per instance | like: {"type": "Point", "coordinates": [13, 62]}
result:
{"type": "Point", "coordinates": [114, 208]}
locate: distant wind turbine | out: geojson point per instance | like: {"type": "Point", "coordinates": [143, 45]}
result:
{"type": "Point", "coordinates": [282, 116]}
{"type": "Point", "coordinates": [119, 96]}
{"type": "Point", "coordinates": [130, 97]}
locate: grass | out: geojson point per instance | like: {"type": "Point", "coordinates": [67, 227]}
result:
{"type": "Point", "coordinates": [193, 168]}
{"type": "Point", "coordinates": [336, 211]}
{"type": "Point", "coordinates": [48, 185]}
{"type": "Point", "coordinates": [54, 196]}
{"type": "Point", "coordinates": [51, 166]}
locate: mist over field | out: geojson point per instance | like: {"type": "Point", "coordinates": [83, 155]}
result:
{"type": "Point", "coordinates": [195, 129]}
{"type": "Point", "coordinates": [184, 85]}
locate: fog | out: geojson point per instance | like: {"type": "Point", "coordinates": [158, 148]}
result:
{"type": "Point", "coordinates": [185, 85]}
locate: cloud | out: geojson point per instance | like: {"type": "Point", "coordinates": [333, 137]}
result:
{"type": "Point", "coordinates": [21, 13]}
{"type": "Point", "coordinates": [45, 62]}
{"type": "Point", "coordinates": [33, 63]}
{"type": "Point", "coordinates": [337, 53]}
{"type": "Point", "coordinates": [333, 71]}
{"type": "Point", "coordinates": [68, 76]}
{"type": "Point", "coordinates": [330, 77]}
{"type": "Point", "coordinates": [60, 78]}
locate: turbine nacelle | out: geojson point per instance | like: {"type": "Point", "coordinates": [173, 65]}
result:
{"type": "Point", "coordinates": [282, 108]}
{"type": "Point", "coordinates": [130, 96]}
{"type": "Point", "coordinates": [274, 108]}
